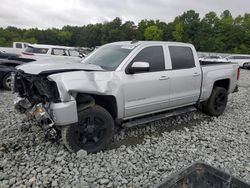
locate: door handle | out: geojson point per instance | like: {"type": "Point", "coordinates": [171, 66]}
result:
{"type": "Point", "coordinates": [196, 74]}
{"type": "Point", "coordinates": [164, 78]}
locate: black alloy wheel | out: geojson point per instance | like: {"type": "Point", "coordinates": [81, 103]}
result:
{"type": "Point", "coordinates": [217, 102]}
{"type": "Point", "coordinates": [94, 130]}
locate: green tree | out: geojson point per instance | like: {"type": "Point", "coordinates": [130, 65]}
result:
{"type": "Point", "coordinates": [111, 31]}
{"type": "Point", "coordinates": [64, 37]}
{"type": "Point", "coordinates": [212, 33]}
{"type": "Point", "coordinates": [206, 35]}
{"type": "Point", "coordinates": [178, 32]}
{"type": "Point", "coordinates": [142, 26]}
{"type": "Point", "coordinates": [153, 33]}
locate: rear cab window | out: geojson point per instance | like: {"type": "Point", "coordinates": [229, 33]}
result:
{"type": "Point", "coordinates": [18, 45]}
{"type": "Point", "coordinates": [181, 57]}
{"type": "Point", "coordinates": [153, 55]}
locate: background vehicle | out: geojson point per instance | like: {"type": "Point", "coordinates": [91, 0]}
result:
{"type": "Point", "coordinates": [7, 67]}
{"type": "Point", "coordinates": [39, 51]}
{"type": "Point", "coordinates": [33, 53]}
{"type": "Point", "coordinates": [126, 83]}
{"type": "Point", "coordinates": [5, 55]}
{"type": "Point", "coordinates": [17, 48]}
{"type": "Point", "coordinates": [242, 60]}
{"type": "Point", "coordinates": [213, 58]}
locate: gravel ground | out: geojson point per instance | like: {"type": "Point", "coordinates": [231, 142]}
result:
{"type": "Point", "coordinates": [138, 157]}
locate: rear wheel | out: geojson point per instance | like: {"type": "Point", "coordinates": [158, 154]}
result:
{"type": "Point", "coordinates": [245, 65]}
{"type": "Point", "coordinates": [216, 103]}
{"type": "Point", "coordinates": [93, 132]}
{"type": "Point", "coordinates": [7, 81]}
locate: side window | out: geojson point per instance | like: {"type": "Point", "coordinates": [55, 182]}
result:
{"type": "Point", "coordinates": [154, 56]}
{"type": "Point", "coordinates": [56, 51]}
{"type": "Point", "coordinates": [181, 57]}
{"type": "Point", "coordinates": [237, 57]}
{"type": "Point", "coordinates": [18, 45]}
{"type": "Point", "coordinates": [31, 49]}
{"type": "Point", "coordinates": [74, 53]}
{"type": "Point", "coordinates": [241, 57]}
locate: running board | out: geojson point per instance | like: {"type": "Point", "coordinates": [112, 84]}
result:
{"type": "Point", "coordinates": [149, 119]}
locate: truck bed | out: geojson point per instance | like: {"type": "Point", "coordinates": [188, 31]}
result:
{"type": "Point", "coordinates": [227, 72]}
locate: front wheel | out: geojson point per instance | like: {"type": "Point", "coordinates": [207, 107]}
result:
{"type": "Point", "coordinates": [216, 103]}
{"type": "Point", "coordinates": [245, 65]}
{"type": "Point", "coordinates": [93, 132]}
{"type": "Point", "coordinates": [7, 81]}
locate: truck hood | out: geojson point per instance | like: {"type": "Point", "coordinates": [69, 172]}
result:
{"type": "Point", "coordinates": [51, 66]}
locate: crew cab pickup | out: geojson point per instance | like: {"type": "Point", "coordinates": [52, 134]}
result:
{"type": "Point", "coordinates": [121, 84]}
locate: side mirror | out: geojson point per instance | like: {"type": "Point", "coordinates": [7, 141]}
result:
{"type": "Point", "coordinates": [139, 67]}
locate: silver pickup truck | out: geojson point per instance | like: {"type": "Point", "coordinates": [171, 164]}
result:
{"type": "Point", "coordinates": [120, 84]}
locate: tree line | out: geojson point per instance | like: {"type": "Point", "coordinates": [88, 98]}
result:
{"type": "Point", "coordinates": [212, 33]}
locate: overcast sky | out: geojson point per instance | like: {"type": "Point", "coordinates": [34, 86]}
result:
{"type": "Point", "coordinates": [57, 13]}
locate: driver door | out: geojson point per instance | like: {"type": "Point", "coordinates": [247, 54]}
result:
{"type": "Point", "coordinates": [147, 92]}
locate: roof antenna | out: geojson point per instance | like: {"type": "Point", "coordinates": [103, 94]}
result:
{"type": "Point", "coordinates": [134, 41]}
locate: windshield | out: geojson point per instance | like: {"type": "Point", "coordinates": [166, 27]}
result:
{"type": "Point", "coordinates": [109, 57]}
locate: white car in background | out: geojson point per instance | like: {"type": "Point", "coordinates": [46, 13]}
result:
{"type": "Point", "coordinates": [17, 47]}
{"type": "Point", "coordinates": [242, 60]}
{"type": "Point", "coordinates": [40, 52]}
{"type": "Point", "coordinates": [213, 58]}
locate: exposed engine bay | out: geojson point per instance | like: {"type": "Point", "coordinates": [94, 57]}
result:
{"type": "Point", "coordinates": [36, 88]}
{"type": "Point", "coordinates": [34, 96]}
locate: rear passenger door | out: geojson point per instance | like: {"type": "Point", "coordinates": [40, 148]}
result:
{"type": "Point", "coordinates": [147, 92]}
{"type": "Point", "coordinates": [185, 76]}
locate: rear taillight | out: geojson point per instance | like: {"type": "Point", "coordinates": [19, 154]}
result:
{"type": "Point", "coordinates": [238, 73]}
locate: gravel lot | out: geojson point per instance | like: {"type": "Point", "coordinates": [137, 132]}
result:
{"type": "Point", "coordinates": [138, 157]}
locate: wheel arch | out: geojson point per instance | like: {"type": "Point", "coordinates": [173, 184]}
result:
{"type": "Point", "coordinates": [108, 102]}
{"type": "Point", "coordinates": [224, 83]}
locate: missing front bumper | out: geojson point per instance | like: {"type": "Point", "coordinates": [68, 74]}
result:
{"type": "Point", "coordinates": [50, 116]}
{"type": "Point", "coordinates": [40, 113]}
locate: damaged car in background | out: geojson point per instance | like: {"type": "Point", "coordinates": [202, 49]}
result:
{"type": "Point", "coordinates": [122, 84]}
{"type": "Point", "coordinates": [46, 53]}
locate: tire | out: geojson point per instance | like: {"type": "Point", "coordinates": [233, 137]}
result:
{"type": "Point", "coordinates": [216, 103]}
{"type": "Point", "coordinates": [6, 82]}
{"type": "Point", "coordinates": [93, 132]}
{"type": "Point", "coordinates": [245, 66]}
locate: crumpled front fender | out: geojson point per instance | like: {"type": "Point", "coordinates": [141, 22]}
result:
{"type": "Point", "coordinates": [92, 82]}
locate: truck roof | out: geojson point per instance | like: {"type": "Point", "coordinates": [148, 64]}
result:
{"type": "Point", "coordinates": [137, 43]}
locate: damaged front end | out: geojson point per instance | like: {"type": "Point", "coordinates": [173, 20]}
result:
{"type": "Point", "coordinates": [35, 93]}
